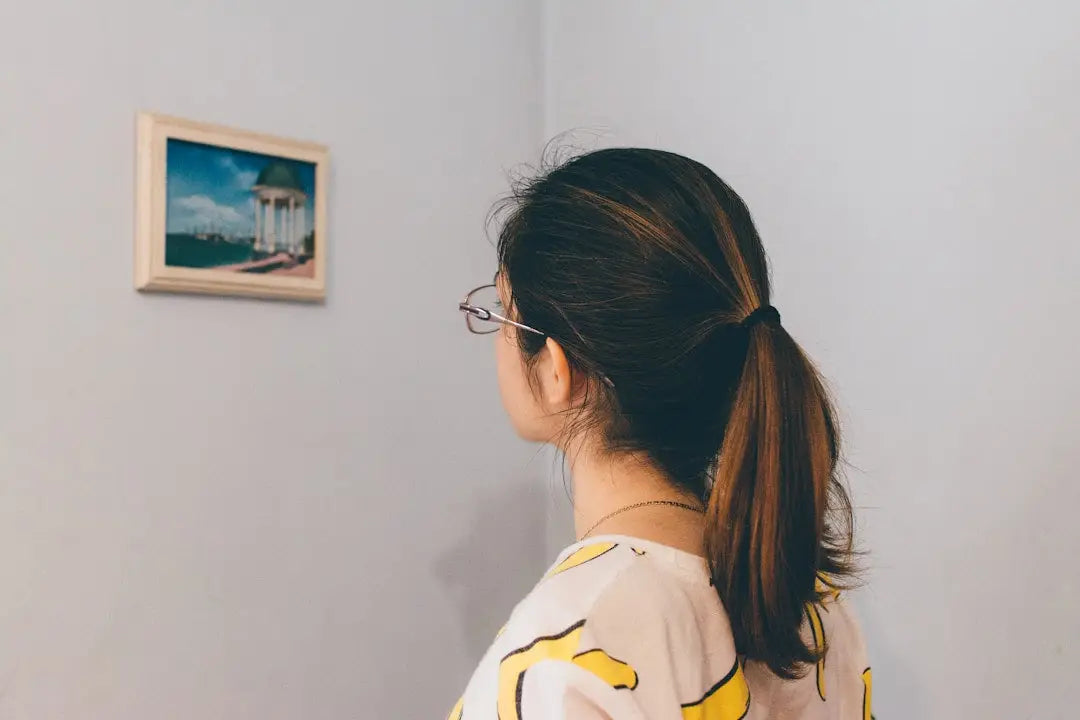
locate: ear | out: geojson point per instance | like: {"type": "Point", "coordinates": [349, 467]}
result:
{"type": "Point", "coordinates": [556, 382]}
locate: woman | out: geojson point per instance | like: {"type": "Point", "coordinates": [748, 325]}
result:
{"type": "Point", "coordinates": [633, 330]}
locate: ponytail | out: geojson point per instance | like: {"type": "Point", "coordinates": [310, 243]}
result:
{"type": "Point", "coordinates": [767, 527]}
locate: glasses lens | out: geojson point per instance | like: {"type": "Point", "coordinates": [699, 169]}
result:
{"type": "Point", "coordinates": [488, 299]}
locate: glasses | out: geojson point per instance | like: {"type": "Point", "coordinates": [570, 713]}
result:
{"type": "Point", "coordinates": [484, 312]}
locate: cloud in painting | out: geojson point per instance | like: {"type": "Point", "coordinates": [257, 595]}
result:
{"type": "Point", "coordinates": [200, 211]}
{"type": "Point", "coordinates": [241, 179]}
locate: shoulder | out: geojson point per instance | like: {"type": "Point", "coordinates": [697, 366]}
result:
{"type": "Point", "coordinates": [623, 610]}
{"type": "Point", "coordinates": [572, 586]}
{"type": "Point", "coordinates": [621, 582]}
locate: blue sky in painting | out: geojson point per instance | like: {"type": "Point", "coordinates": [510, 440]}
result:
{"type": "Point", "coordinates": [209, 188]}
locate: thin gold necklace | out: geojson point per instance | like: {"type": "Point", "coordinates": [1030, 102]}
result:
{"type": "Point", "coordinates": [635, 506]}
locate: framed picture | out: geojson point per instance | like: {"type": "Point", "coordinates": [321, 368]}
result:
{"type": "Point", "coordinates": [227, 212]}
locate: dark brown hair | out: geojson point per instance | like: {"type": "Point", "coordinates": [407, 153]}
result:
{"type": "Point", "coordinates": [643, 264]}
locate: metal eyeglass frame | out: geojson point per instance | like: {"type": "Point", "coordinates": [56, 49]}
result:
{"type": "Point", "coordinates": [482, 313]}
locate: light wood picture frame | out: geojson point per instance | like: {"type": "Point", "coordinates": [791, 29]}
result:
{"type": "Point", "coordinates": [222, 211]}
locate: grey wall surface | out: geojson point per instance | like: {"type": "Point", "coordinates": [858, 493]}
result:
{"type": "Point", "coordinates": [914, 169]}
{"type": "Point", "coordinates": [229, 509]}
{"type": "Point", "coordinates": [233, 509]}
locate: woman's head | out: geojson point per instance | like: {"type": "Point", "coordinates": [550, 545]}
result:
{"type": "Point", "coordinates": [638, 270]}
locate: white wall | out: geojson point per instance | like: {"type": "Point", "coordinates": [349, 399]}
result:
{"type": "Point", "coordinates": [231, 509]}
{"type": "Point", "coordinates": [914, 168]}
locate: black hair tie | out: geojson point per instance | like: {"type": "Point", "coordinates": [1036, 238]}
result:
{"type": "Point", "coordinates": [766, 314]}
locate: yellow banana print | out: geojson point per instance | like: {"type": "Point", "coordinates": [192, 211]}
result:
{"type": "Point", "coordinates": [824, 589]}
{"type": "Point", "coordinates": [614, 672]}
{"type": "Point", "coordinates": [563, 647]}
{"type": "Point", "coordinates": [818, 630]}
{"type": "Point", "coordinates": [867, 681]}
{"type": "Point", "coordinates": [729, 699]}
{"type": "Point", "coordinates": [582, 556]}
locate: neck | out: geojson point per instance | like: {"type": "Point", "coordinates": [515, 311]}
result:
{"type": "Point", "coordinates": [604, 483]}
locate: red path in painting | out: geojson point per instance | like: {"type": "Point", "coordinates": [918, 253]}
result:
{"type": "Point", "coordinates": [306, 269]}
{"type": "Point", "coordinates": [280, 264]}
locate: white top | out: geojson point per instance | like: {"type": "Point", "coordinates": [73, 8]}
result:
{"type": "Point", "coordinates": [624, 629]}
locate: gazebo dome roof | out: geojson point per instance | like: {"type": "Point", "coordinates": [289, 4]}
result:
{"type": "Point", "coordinates": [278, 174]}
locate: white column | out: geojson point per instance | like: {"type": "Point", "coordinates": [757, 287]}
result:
{"type": "Point", "coordinates": [258, 221]}
{"type": "Point", "coordinates": [301, 227]}
{"type": "Point", "coordinates": [292, 224]}
{"type": "Point", "coordinates": [270, 235]}
{"type": "Point", "coordinates": [287, 216]}
{"type": "Point", "coordinates": [284, 244]}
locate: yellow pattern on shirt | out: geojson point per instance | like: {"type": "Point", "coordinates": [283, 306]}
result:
{"type": "Point", "coordinates": [818, 631]}
{"type": "Point", "coordinates": [868, 682]}
{"type": "Point", "coordinates": [729, 699]}
{"type": "Point", "coordinates": [563, 647]}
{"type": "Point", "coordinates": [582, 556]}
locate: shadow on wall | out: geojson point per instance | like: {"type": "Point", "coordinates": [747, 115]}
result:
{"type": "Point", "coordinates": [500, 558]}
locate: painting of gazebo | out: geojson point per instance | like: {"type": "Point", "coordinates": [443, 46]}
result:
{"type": "Point", "coordinates": [241, 213]}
